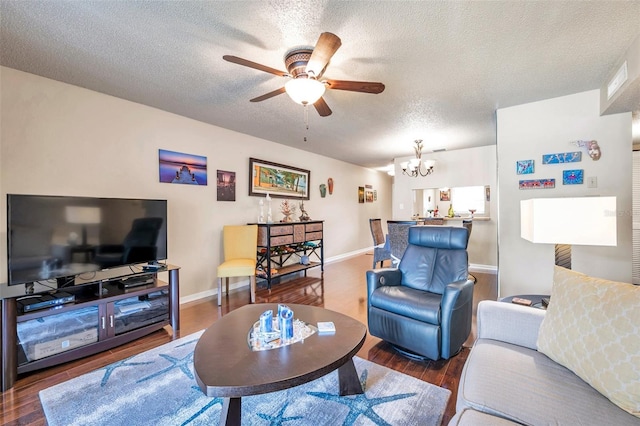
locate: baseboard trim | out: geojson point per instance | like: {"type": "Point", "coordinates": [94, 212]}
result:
{"type": "Point", "coordinates": [484, 269]}
{"type": "Point", "coordinates": [348, 255]}
{"type": "Point", "coordinates": [201, 295]}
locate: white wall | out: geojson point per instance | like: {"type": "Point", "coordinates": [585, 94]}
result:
{"type": "Point", "coordinates": [58, 139]}
{"type": "Point", "coordinates": [527, 132]}
{"type": "Point", "coordinates": [463, 167]}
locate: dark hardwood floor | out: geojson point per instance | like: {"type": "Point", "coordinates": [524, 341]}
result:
{"type": "Point", "coordinates": [342, 288]}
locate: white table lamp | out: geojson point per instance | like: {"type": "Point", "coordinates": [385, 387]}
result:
{"type": "Point", "coordinates": [569, 221]}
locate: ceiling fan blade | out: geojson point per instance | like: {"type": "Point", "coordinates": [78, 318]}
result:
{"type": "Point", "coordinates": [254, 65]}
{"type": "Point", "coordinates": [326, 46]}
{"type": "Point", "coordinates": [356, 86]}
{"type": "Point", "coordinates": [322, 108]}
{"type": "Point", "coordinates": [268, 95]}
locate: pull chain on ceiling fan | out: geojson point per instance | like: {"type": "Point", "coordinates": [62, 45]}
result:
{"type": "Point", "coordinates": [305, 68]}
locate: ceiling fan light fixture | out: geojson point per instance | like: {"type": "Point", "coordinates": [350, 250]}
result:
{"type": "Point", "coordinates": [304, 90]}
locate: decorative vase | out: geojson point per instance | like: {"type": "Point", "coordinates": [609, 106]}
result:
{"type": "Point", "coordinates": [323, 190]}
{"type": "Point", "coordinates": [269, 214]}
{"type": "Point", "coordinates": [330, 183]}
{"type": "Point", "coordinates": [261, 216]}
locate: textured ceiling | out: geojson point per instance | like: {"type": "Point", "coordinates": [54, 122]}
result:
{"type": "Point", "coordinates": [447, 66]}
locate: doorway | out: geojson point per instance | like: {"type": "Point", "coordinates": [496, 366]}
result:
{"type": "Point", "coordinates": [635, 211]}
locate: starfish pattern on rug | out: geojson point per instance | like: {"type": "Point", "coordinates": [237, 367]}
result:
{"type": "Point", "coordinates": [361, 405]}
{"type": "Point", "coordinates": [278, 419]}
{"type": "Point", "coordinates": [109, 369]}
{"type": "Point", "coordinates": [193, 396]}
{"type": "Point", "coordinates": [183, 364]}
{"type": "Point", "coordinates": [190, 342]}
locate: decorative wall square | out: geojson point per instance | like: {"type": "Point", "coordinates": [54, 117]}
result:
{"type": "Point", "coordinates": [537, 184]}
{"type": "Point", "coordinates": [563, 157]}
{"type": "Point", "coordinates": [524, 167]}
{"type": "Point", "coordinates": [572, 177]}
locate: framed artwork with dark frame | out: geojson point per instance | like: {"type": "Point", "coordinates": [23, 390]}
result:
{"type": "Point", "coordinates": [278, 180]}
{"type": "Point", "coordinates": [226, 186]}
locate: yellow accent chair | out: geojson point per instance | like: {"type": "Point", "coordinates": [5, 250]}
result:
{"type": "Point", "coordinates": [240, 248]}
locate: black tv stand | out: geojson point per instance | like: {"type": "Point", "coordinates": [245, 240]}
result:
{"type": "Point", "coordinates": [107, 315]}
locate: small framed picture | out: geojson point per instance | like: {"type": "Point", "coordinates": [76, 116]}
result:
{"type": "Point", "coordinates": [179, 167]}
{"type": "Point", "coordinates": [445, 194]}
{"type": "Point", "coordinates": [537, 184]}
{"type": "Point", "coordinates": [572, 177]}
{"type": "Point", "coordinates": [524, 167]}
{"type": "Point", "coordinates": [226, 185]}
{"type": "Point", "coordinates": [369, 196]}
{"type": "Point", "coordinates": [562, 157]}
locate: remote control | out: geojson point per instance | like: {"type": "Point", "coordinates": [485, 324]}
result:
{"type": "Point", "coordinates": [521, 301]}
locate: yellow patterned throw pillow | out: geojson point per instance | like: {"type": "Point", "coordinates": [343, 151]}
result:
{"type": "Point", "coordinates": [592, 327]}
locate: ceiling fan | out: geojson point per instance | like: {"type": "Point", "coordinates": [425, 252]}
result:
{"type": "Point", "coordinates": [305, 68]}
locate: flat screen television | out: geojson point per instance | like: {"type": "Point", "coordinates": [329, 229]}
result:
{"type": "Point", "coordinates": [58, 237]}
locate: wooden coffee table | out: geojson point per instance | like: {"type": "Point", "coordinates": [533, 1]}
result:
{"type": "Point", "coordinates": [225, 366]}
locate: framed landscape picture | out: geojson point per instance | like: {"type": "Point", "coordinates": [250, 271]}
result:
{"type": "Point", "coordinates": [277, 180]}
{"type": "Point", "coordinates": [178, 167]}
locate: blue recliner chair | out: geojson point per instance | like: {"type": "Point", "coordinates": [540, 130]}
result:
{"type": "Point", "coordinates": [424, 308]}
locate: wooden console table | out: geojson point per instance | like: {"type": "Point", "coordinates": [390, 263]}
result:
{"type": "Point", "coordinates": [98, 303]}
{"type": "Point", "coordinates": [282, 245]}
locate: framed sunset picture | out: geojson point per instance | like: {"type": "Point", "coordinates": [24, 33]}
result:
{"type": "Point", "coordinates": [178, 167]}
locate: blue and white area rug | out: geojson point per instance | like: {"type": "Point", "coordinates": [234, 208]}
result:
{"type": "Point", "coordinates": [158, 387]}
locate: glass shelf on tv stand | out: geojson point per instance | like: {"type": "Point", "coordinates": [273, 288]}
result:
{"type": "Point", "coordinates": [116, 274]}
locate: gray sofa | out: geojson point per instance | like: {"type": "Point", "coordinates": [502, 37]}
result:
{"type": "Point", "coordinates": [506, 381]}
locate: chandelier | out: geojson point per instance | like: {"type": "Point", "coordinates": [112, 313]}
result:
{"type": "Point", "coordinates": [416, 167]}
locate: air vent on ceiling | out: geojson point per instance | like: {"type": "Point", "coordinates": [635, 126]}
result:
{"type": "Point", "coordinates": [439, 150]}
{"type": "Point", "coordinates": [617, 81]}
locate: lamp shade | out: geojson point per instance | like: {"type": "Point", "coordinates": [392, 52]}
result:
{"type": "Point", "coordinates": [429, 163]}
{"type": "Point", "coordinates": [82, 215]}
{"type": "Point", "coordinates": [577, 220]}
{"type": "Point", "coordinates": [304, 90]}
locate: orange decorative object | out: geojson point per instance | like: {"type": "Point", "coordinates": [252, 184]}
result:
{"type": "Point", "coordinates": [330, 183]}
